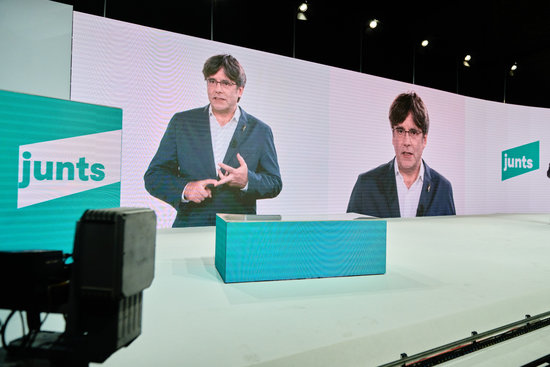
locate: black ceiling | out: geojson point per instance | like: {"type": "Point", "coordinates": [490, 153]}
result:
{"type": "Point", "coordinates": [496, 33]}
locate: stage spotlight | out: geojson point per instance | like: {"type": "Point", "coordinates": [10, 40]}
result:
{"type": "Point", "coordinates": [466, 61]}
{"type": "Point", "coordinates": [513, 69]}
{"type": "Point", "coordinates": [301, 16]}
{"type": "Point", "coordinates": [303, 7]}
{"type": "Point", "coordinates": [373, 23]}
{"type": "Point", "coordinates": [425, 43]}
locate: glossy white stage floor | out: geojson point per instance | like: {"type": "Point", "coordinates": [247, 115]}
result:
{"type": "Point", "coordinates": [446, 277]}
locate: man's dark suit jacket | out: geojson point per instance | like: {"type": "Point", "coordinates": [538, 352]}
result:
{"type": "Point", "coordinates": [375, 193]}
{"type": "Point", "coordinates": [185, 154]}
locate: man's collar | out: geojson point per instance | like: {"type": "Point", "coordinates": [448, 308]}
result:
{"type": "Point", "coordinates": [420, 173]}
{"type": "Point", "coordinates": [236, 115]}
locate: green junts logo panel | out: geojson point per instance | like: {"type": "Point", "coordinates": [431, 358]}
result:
{"type": "Point", "coordinates": [520, 160]}
{"type": "Point", "coordinates": [59, 158]}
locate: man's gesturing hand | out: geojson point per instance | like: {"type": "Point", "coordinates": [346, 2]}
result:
{"type": "Point", "coordinates": [196, 191]}
{"type": "Point", "coordinates": [235, 177]}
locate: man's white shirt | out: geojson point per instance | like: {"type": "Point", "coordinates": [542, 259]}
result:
{"type": "Point", "coordinates": [408, 197]}
{"type": "Point", "coordinates": [222, 135]}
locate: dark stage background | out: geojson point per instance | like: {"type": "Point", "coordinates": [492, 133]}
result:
{"type": "Point", "coordinates": [496, 33]}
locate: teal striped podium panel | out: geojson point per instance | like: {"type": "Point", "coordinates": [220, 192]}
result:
{"type": "Point", "coordinates": [261, 248]}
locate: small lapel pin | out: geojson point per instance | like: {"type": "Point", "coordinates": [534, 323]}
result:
{"type": "Point", "coordinates": [429, 187]}
{"type": "Point", "coordinates": [244, 128]}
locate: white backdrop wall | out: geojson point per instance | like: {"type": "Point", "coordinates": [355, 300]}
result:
{"type": "Point", "coordinates": [490, 129]}
{"type": "Point", "coordinates": [329, 124]}
{"type": "Point", "coordinates": [35, 39]}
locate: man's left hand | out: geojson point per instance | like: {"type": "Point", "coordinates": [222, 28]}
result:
{"type": "Point", "coordinates": [234, 177]}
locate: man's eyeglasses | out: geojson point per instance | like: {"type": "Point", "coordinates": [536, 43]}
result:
{"type": "Point", "coordinates": [401, 133]}
{"type": "Point", "coordinates": [211, 82]}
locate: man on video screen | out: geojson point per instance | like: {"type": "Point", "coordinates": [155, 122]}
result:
{"type": "Point", "coordinates": [405, 186]}
{"type": "Point", "coordinates": [217, 158]}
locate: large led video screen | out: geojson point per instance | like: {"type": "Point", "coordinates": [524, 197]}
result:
{"type": "Point", "coordinates": [329, 125]}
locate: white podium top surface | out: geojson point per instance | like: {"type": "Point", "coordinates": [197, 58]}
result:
{"type": "Point", "coordinates": [446, 277]}
{"type": "Point", "coordinates": [293, 218]}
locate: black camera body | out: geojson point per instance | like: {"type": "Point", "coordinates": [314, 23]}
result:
{"type": "Point", "coordinates": [100, 292]}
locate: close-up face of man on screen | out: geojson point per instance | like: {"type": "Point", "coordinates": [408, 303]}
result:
{"type": "Point", "coordinates": [225, 81]}
{"type": "Point", "coordinates": [410, 123]}
{"type": "Point", "coordinates": [405, 186]}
